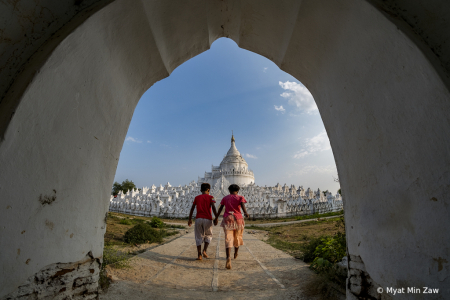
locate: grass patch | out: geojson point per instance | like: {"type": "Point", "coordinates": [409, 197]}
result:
{"type": "Point", "coordinates": [115, 259]}
{"type": "Point", "coordinates": [145, 233]}
{"type": "Point", "coordinates": [125, 222]}
{"type": "Point", "coordinates": [117, 227]}
{"type": "Point", "coordinates": [294, 218]}
{"type": "Point", "coordinates": [175, 226]}
{"type": "Point", "coordinates": [318, 216]}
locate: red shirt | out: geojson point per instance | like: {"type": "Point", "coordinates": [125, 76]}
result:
{"type": "Point", "coordinates": [232, 205]}
{"type": "Point", "coordinates": [203, 203]}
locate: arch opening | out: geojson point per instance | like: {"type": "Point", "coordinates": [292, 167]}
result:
{"type": "Point", "coordinates": [392, 161]}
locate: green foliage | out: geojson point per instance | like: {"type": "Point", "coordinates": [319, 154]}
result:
{"type": "Point", "coordinates": [125, 187]}
{"type": "Point", "coordinates": [325, 192]}
{"type": "Point", "coordinates": [328, 250]}
{"type": "Point", "coordinates": [308, 249]}
{"type": "Point", "coordinates": [156, 222]}
{"type": "Point", "coordinates": [321, 265]}
{"type": "Point", "coordinates": [128, 185]}
{"type": "Point", "coordinates": [144, 233]}
{"type": "Point", "coordinates": [339, 191]}
{"type": "Point", "coordinates": [116, 188]}
{"type": "Point", "coordinates": [125, 222]}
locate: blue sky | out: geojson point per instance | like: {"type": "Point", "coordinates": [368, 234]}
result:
{"type": "Point", "coordinates": [182, 124]}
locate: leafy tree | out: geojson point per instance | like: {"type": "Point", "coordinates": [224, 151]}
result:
{"type": "Point", "coordinates": [116, 188]}
{"type": "Point", "coordinates": [325, 192]}
{"type": "Point", "coordinates": [128, 185]}
{"type": "Point", "coordinates": [339, 191]}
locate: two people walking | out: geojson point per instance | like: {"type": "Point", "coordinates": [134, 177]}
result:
{"type": "Point", "coordinates": [233, 222]}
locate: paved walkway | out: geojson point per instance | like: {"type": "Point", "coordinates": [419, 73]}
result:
{"type": "Point", "coordinates": [289, 222]}
{"type": "Point", "coordinates": [170, 271]}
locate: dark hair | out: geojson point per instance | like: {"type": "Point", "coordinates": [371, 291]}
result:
{"type": "Point", "coordinates": [204, 187]}
{"type": "Point", "coordinates": [233, 188]}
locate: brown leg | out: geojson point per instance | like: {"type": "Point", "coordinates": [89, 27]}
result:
{"type": "Point", "coordinates": [199, 252]}
{"type": "Point", "coordinates": [236, 249]}
{"type": "Point", "coordinates": [204, 250]}
{"type": "Point", "coordinates": [228, 265]}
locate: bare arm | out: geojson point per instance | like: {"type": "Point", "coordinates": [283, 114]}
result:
{"type": "Point", "coordinates": [245, 210]}
{"type": "Point", "coordinates": [190, 215]}
{"type": "Point", "coordinates": [220, 210]}
{"type": "Point", "coordinates": [213, 206]}
{"type": "Point", "coordinates": [215, 214]}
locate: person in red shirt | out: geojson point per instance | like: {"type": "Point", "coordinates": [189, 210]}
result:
{"type": "Point", "coordinates": [203, 220]}
{"type": "Point", "coordinates": [233, 222]}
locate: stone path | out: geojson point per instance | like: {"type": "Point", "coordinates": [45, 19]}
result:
{"type": "Point", "coordinates": [170, 271]}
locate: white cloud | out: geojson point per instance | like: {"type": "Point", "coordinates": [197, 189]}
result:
{"type": "Point", "coordinates": [315, 144]}
{"type": "Point", "coordinates": [280, 108]}
{"type": "Point", "coordinates": [265, 69]}
{"type": "Point", "coordinates": [312, 169]}
{"type": "Point", "coordinates": [131, 139]}
{"type": "Point", "coordinates": [250, 156]}
{"type": "Point", "coordinates": [149, 142]}
{"type": "Point", "coordinates": [298, 96]}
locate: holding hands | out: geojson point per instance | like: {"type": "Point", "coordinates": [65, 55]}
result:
{"type": "Point", "coordinates": [216, 221]}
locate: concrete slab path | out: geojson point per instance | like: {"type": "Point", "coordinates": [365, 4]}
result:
{"type": "Point", "coordinates": [170, 271]}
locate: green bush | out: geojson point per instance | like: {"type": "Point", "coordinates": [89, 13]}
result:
{"type": "Point", "coordinates": [309, 248]}
{"type": "Point", "coordinates": [331, 248]}
{"type": "Point", "coordinates": [143, 233]}
{"type": "Point", "coordinates": [326, 251]}
{"type": "Point", "coordinates": [125, 222]}
{"type": "Point", "coordinates": [156, 222]}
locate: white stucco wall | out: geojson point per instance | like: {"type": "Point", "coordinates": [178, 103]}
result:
{"type": "Point", "coordinates": [383, 104]}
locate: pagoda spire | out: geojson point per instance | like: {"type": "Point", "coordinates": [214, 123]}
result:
{"type": "Point", "coordinates": [232, 137]}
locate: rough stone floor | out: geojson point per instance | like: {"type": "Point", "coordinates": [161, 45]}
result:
{"type": "Point", "coordinates": [170, 271]}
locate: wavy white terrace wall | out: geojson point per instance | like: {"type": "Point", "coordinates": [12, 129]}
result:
{"type": "Point", "coordinates": [262, 202]}
{"type": "Point", "coordinates": [383, 104]}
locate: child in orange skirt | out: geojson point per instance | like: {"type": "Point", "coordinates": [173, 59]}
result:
{"type": "Point", "coordinates": [233, 222]}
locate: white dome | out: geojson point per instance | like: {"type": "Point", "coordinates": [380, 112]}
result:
{"type": "Point", "coordinates": [233, 159]}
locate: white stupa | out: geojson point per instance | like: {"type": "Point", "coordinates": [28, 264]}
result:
{"type": "Point", "coordinates": [232, 169]}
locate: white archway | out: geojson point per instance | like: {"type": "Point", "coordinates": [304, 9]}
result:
{"type": "Point", "coordinates": [384, 106]}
